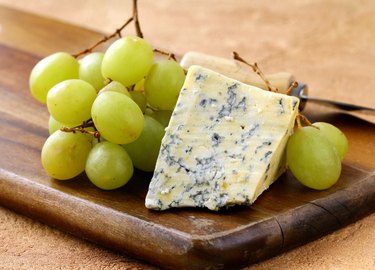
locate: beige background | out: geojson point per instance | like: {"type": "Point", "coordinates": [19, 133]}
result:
{"type": "Point", "coordinates": [327, 37]}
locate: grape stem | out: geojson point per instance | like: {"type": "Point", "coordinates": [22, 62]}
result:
{"type": "Point", "coordinates": [136, 21]}
{"type": "Point", "coordinates": [300, 118]}
{"type": "Point", "coordinates": [257, 70]}
{"type": "Point", "coordinates": [169, 54]}
{"type": "Point", "coordinates": [134, 18]}
{"type": "Point", "coordinates": [81, 128]}
{"type": "Point", "coordinates": [117, 33]}
{"type": "Point", "coordinates": [104, 39]}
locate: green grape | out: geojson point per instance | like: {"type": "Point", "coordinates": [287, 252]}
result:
{"type": "Point", "coordinates": [70, 101]}
{"type": "Point", "coordinates": [335, 136]}
{"type": "Point", "coordinates": [312, 159]}
{"type": "Point", "coordinates": [108, 166]}
{"type": "Point", "coordinates": [163, 84]}
{"type": "Point", "coordinates": [90, 70]}
{"type": "Point", "coordinates": [64, 154]}
{"type": "Point", "coordinates": [145, 150]}
{"type": "Point", "coordinates": [117, 117]}
{"type": "Point", "coordinates": [51, 70]}
{"type": "Point", "coordinates": [140, 99]}
{"type": "Point", "coordinates": [54, 125]}
{"type": "Point", "coordinates": [115, 87]}
{"type": "Point", "coordinates": [161, 116]}
{"type": "Point", "coordinates": [127, 60]}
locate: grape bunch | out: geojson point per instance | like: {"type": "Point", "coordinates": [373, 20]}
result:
{"type": "Point", "coordinates": [108, 111]}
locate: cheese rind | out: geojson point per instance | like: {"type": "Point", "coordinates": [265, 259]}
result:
{"type": "Point", "coordinates": [224, 145]}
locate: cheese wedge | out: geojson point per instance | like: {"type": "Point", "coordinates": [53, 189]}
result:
{"type": "Point", "coordinates": [225, 144]}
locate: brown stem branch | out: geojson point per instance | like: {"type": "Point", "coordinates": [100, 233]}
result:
{"type": "Point", "coordinates": [134, 18]}
{"type": "Point", "coordinates": [257, 70]}
{"type": "Point", "coordinates": [136, 21]}
{"type": "Point", "coordinates": [169, 54]}
{"type": "Point", "coordinates": [95, 133]}
{"type": "Point", "coordinates": [298, 120]}
{"type": "Point", "coordinates": [104, 39]}
{"type": "Point", "coordinates": [305, 119]}
{"type": "Point", "coordinates": [82, 128]}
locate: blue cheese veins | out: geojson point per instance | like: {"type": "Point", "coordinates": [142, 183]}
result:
{"type": "Point", "coordinates": [224, 145]}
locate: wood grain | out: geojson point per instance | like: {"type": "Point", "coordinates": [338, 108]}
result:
{"type": "Point", "coordinates": [42, 36]}
{"type": "Point", "coordinates": [285, 216]}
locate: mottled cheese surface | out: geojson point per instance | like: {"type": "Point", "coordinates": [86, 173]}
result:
{"type": "Point", "coordinates": [224, 144]}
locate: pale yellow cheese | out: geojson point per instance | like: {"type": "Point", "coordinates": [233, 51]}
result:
{"type": "Point", "coordinates": [224, 145]}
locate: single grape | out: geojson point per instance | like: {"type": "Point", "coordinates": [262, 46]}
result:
{"type": "Point", "coordinates": [64, 154]}
{"type": "Point", "coordinates": [163, 84]}
{"type": "Point", "coordinates": [140, 99]}
{"type": "Point", "coordinates": [108, 166]}
{"type": "Point", "coordinates": [90, 70]}
{"type": "Point", "coordinates": [335, 136]}
{"type": "Point", "coordinates": [161, 116]}
{"type": "Point", "coordinates": [312, 159]}
{"type": "Point", "coordinates": [115, 87]}
{"type": "Point", "coordinates": [127, 60]}
{"type": "Point", "coordinates": [117, 117]}
{"type": "Point", "coordinates": [145, 150]}
{"type": "Point", "coordinates": [70, 101]}
{"type": "Point", "coordinates": [51, 70]}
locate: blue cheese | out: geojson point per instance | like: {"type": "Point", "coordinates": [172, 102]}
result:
{"type": "Point", "coordinates": [225, 144]}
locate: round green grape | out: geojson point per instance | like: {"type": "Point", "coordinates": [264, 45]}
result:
{"type": "Point", "coordinates": [145, 150]}
{"type": "Point", "coordinates": [312, 159]}
{"type": "Point", "coordinates": [127, 60]}
{"type": "Point", "coordinates": [70, 101]}
{"type": "Point", "coordinates": [108, 166]}
{"type": "Point", "coordinates": [64, 154]}
{"type": "Point", "coordinates": [115, 87]}
{"type": "Point", "coordinates": [51, 70]}
{"type": "Point", "coordinates": [117, 117]}
{"type": "Point", "coordinates": [163, 84]}
{"type": "Point", "coordinates": [335, 136]}
{"type": "Point", "coordinates": [90, 70]}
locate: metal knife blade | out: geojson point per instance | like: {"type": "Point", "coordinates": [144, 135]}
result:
{"type": "Point", "coordinates": [301, 91]}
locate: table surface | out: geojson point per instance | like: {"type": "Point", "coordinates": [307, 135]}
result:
{"type": "Point", "coordinates": [327, 44]}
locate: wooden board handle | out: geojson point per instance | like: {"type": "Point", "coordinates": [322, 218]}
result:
{"type": "Point", "coordinates": [234, 70]}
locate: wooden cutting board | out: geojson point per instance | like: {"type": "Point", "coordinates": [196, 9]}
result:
{"type": "Point", "coordinates": [285, 216]}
